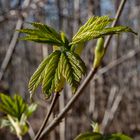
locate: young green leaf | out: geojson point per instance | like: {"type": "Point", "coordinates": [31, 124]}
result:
{"type": "Point", "coordinates": [95, 28]}
{"type": "Point", "coordinates": [17, 113]}
{"type": "Point", "coordinates": [49, 73]}
{"type": "Point", "coordinates": [99, 53]}
{"type": "Point", "coordinates": [98, 136]}
{"type": "Point", "coordinates": [89, 136]}
{"type": "Point", "coordinates": [19, 105]}
{"type": "Point", "coordinates": [42, 34]}
{"type": "Point", "coordinates": [65, 40]}
{"type": "Point", "coordinates": [95, 127]}
{"type": "Point", "coordinates": [38, 75]}
{"type": "Point", "coordinates": [73, 69]}
{"type": "Point", "coordinates": [4, 123]}
{"type": "Point", "coordinates": [117, 137]}
{"type": "Point", "coordinates": [15, 106]}
{"type": "Point", "coordinates": [31, 108]}
{"type": "Point", "coordinates": [57, 68]}
{"type": "Point", "coordinates": [6, 105]}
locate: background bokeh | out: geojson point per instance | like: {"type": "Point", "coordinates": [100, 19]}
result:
{"type": "Point", "coordinates": [112, 99]}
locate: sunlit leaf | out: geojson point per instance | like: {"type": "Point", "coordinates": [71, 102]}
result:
{"type": "Point", "coordinates": [38, 75]}
{"type": "Point", "coordinates": [31, 108]}
{"type": "Point", "coordinates": [89, 136]}
{"type": "Point", "coordinates": [49, 73]}
{"type": "Point", "coordinates": [98, 136]}
{"type": "Point", "coordinates": [16, 113]}
{"type": "Point", "coordinates": [4, 123]}
{"type": "Point", "coordinates": [42, 34]}
{"type": "Point", "coordinates": [15, 106]}
{"type": "Point", "coordinates": [95, 27]}
{"type": "Point", "coordinates": [55, 70]}
{"type": "Point", "coordinates": [117, 137]}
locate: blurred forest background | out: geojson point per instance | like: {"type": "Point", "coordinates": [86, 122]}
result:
{"type": "Point", "coordinates": [112, 98]}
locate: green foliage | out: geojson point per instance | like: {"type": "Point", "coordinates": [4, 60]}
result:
{"type": "Point", "coordinates": [117, 137]}
{"type": "Point", "coordinates": [98, 136]}
{"type": "Point", "coordinates": [99, 53]}
{"type": "Point", "coordinates": [44, 34]}
{"type": "Point", "coordinates": [73, 69]}
{"type": "Point", "coordinates": [95, 27]}
{"type": "Point", "coordinates": [64, 64]}
{"type": "Point", "coordinates": [95, 127]}
{"type": "Point", "coordinates": [60, 66]}
{"type": "Point", "coordinates": [57, 68]}
{"type": "Point", "coordinates": [17, 112]}
{"type": "Point", "coordinates": [89, 136]}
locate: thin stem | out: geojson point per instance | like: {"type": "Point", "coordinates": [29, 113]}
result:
{"type": "Point", "coordinates": [56, 95]}
{"type": "Point", "coordinates": [84, 84]}
{"type": "Point", "coordinates": [31, 131]}
{"type": "Point", "coordinates": [71, 102]}
{"type": "Point", "coordinates": [20, 137]}
{"type": "Point", "coordinates": [117, 16]}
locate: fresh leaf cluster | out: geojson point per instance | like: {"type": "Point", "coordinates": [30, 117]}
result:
{"type": "Point", "coordinates": [95, 27]}
{"type": "Point", "coordinates": [17, 112]}
{"type": "Point", "coordinates": [55, 69]}
{"type": "Point", "coordinates": [60, 66]}
{"type": "Point", "coordinates": [64, 64]}
{"type": "Point", "coordinates": [98, 136]}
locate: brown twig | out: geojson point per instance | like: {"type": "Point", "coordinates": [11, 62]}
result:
{"type": "Point", "coordinates": [56, 95]}
{"type": "Point", "coordinates": [31, 131]}
{"type": "Point", "coordinates": [110, 112]}
{"type": "Point", "coordinates": [117, 62]}
{"type": "Point", "coordinates": [117, 16]}
{"type": "Point", "coordinates": [10, 48]}
{"type": "Point", "coordinates": [70, 103]}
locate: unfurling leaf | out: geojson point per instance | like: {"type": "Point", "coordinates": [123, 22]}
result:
{"type": "Point", "coordinates": [38, 75]}
{"type": "Point", "coordinates": [65, 40]}
{"type": "Point", "coordinates": [90, 136]}
{"type": "Point", "coordinates": [73, 69]}
{"type": "Point", "coordinates": [99, 53]}
{"type": "Point", "coordinates": [95, 27]}
{"type": "Point", "coordinates": [13, 106]}
{"type": "Point", "coordinates": [98, 136]}
{"type": "Point", "coordinates": [117, 137]}
{"type": "Point", "coordinates": [4, 123]}
{"type": "Point", "coordinates": [48, 84]}
{"type": "Point", "coordinates": [79, 48]}
{"type": "Point", "coordinates": [57, 68]}
{"type": "Point", "coordinates": [96, 128]}
{"type": "Point", "coordinates": [31, 108]}
{"type": "Point", "coordinates": [17, 113]}
{"type": "Point", "coordinates": [42, 34]}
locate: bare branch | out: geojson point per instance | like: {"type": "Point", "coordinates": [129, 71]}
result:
{"type": "Point", "coordinates": [107, 113]}
{"type": "Point", "coordinates": [110, 112]}
{"type": "Point", "coordinates": [56, 95]}
{"type": "Point", "coordinates": [13, 42]}
{"type": "Point", "coordinates": [10, 49]}
{"type": "Point", "coordinates": [117, 62]}
{"type": "Point", "coordinates": [117, 16]}
{"type": "Point", "coordinates": [31, 131]}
